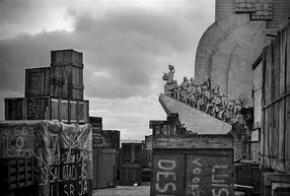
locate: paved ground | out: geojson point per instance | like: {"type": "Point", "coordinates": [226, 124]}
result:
{"type": "Point", "coordinates": [123, 191]}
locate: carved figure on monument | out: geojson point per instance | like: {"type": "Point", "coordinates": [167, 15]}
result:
{"type": "Point", "coordinates": [208, 83]}
{"type": "Point", "coordinates": [198, 96]}
{"type": "Point", "coordinates": [209, 108]}
{"type": "Point", "coordinates": [192, 100]}
{"type": "Point", "coordinates": [237, 107]}
{"type": "Point", "coordinates": [206, 93]}
{"type": "Point", "coordinates": [192, 82]}
{"type": "Point", "coordinates": [229, 111]}
{"type": "Point", "coordinates": [170, 75]}
{"type": "Point", "coordinates": [176, 90]}
{"type": "Point", "coordinates": [184, 87]}
{"type": "Point", "coordinates": [191, 93]}
{"type": "Point", "coordinates": [169, 86]}
{"type": "Point", "coordinates": [167, 89]}
{"type": "Point", "coordinates": [172, 90]}
{"type": "Point", "coordinates": [216, 102]}
{"type": "Point", "coordinates": [185, 84]}
{"type": "Point", "coordinates": [215, 88]}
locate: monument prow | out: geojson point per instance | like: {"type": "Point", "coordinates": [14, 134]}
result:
{"type": "Point", "coordinates": [193, 119]}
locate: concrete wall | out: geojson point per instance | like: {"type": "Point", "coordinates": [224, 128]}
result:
{"type": "Point", "coordinates": [231, 44]}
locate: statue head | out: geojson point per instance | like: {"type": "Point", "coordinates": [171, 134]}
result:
{"type": "Point", "coordinates": [171, 68]}
{"type": "Point", "coordinates": [230, 105]}
{"type": "Point", "coordinates": [237, 103]}
{"type": "Point", "coordinates": [198, 89]}
{"type": "Point", "coordinates": [207, 82]}
{"type": "Point", "coordinates": [240, 119]}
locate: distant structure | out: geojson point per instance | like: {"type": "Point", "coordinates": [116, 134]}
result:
{"type": "Point", "coordinates": [235, 39]}
{"type": "Point", "coordinates": [53, 93]}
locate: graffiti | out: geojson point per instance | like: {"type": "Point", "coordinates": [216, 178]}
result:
{"type": "Point", "coordinates": [61, 153]}
{"type": "Point", "coordinates": [68, 171]}
{"type": "Point", "coordinates": [194, 188]}
{"type": "Point", "coordinates": [220, 180]}
{"type": "Point", "coordinates": [208, 176]}
{"type": "Point", "coordinates": [82, 187]}
{"type": "Point", "coordinates": [75, 188]}
{"type": "Point", "coordinates": [54, 149]}
{"type": "Point", "coordinates": [168, 173]}
{"type": "Point", "coordinates": [71, 175]}
{"type": "Point", "coordinates": [54, 173]}
{"type": "Point", "coordinates": [70, 182]}
{"type": "Point", "coordinates": [15, 142]}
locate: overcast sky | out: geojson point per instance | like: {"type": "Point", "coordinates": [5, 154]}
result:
{"type": "Point", "coordinates": [126, 45]}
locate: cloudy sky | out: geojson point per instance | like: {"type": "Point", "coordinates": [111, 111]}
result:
{"type": "Point", "coordinates": [126, 44]}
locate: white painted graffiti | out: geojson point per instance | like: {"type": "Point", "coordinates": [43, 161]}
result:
{"type": "Point", "coordinates": [219, 179]}
{"type": "Point", "coordinates": [194, 188]}
{"type": "Point", "coordinates": [15, 142]}
{"type": "Point", "coordinates": [168, 173]}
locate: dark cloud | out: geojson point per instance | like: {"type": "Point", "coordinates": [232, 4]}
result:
{"type": "Point", "coordinates": [126, 50]}
{"type": "Point", "coordinates": [125, 44]}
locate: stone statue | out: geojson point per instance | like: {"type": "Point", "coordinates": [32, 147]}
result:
{"type": "Point", "coordinates": [184, 86]}
{"type": "Point", "coordinates": [170, 86]}
{"type": "Point", "coordinates": [169, 77]}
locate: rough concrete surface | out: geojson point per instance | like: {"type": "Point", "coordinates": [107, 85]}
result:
{"type": "Point", "coordinates": [123, 191]}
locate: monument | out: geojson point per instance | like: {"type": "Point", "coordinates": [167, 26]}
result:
{"type": "Point", "coordinates": [202, 107]}
{"type": "Point", "coordinates": [231, 44]}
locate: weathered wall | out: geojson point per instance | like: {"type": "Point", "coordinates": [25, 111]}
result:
{"type": "Point", "coordinates": [232, 43]}
{"type": "Point", "coordinates": [257, 101]}
{"type": "Point", "coordinates": [275, 135]}
{"type": "Point", "coordinates": [257, 88]}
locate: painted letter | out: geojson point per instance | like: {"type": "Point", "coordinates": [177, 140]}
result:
{"type": "Point", "coordinates": [65, 191]}
{"type": "Point", "coordinates": [166, 174]}
{"type": "Point", "coordinates": [167, 185]}
{"type": "Point", "coordinates": [221, 175]}
{"type": "Point", "coordinates": [219, 193]}
{"type": "Point", "coordinates": [196, 161]}
{"type": "Point", "coordinates": [196, 170]}
{"type": "Point", "coordinates": [71, 190]}
{"type": "Point", "coordinates": [171, 164]}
